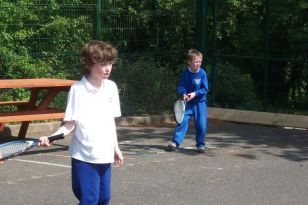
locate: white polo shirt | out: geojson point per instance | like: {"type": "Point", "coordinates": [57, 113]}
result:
{"type": "Point", "coordinates": [94, 138]}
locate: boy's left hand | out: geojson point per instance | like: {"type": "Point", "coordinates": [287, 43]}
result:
{"type": "Point", "coordinates": [191, 96]}
{"type": "Point", "coordinates": [118, 157]}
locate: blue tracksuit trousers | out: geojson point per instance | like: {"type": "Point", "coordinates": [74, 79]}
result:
{"type": "Point", "coordinates": [199, 112]}
{"type": "Point", "coordinates": [91, 182]}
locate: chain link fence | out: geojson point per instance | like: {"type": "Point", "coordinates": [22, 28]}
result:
{"type": "Point", "coordinates": [250, 64]}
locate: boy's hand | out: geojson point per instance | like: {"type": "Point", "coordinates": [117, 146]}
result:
{"type": "Point", "coordinates": [191, 96]}
{"type": "Point", "coordinates": [44, 142]}
{"type": "Point", "coordinates": [118, 157]}
{"type": "Point", "coordinates": [185, 97]}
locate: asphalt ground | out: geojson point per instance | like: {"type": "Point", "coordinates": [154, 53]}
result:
{"type": "Point", "coordinates": [243, 164]}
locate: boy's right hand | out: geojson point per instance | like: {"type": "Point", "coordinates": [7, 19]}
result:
{"type": "Point", "coordinates": [185, 97]}
{"type": "Point", "coordinates": [44, 142]}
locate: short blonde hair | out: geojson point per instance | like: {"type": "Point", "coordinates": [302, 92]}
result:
{"type": "Point", "coordinates": [96, 52]}
{"type": "Point", "coordinates": [192, 53]}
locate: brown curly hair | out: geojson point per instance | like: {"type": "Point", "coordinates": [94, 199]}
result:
{"type": "Point", "coordinates": [96, 52]}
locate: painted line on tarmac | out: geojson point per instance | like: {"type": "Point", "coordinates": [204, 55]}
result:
{"type": "Point", "coordinates": [45, 163]}
{"type": "Point", "coordinates": [58, 155]}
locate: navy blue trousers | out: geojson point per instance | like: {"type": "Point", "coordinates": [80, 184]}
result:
{"type": "Point", "coordinates": [91, 182]}
{"type": "Point", "coordinates": [199, 112]}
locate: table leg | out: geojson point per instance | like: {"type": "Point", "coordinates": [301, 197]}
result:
{"type": "Point", "coordinates": [52, 93]}
{"type": "Point", "coordinates": [23, 129]}
{"type": "Point", "coordinates": [24, 125]}
{"type": "Point", "coordinates": [2, 126]}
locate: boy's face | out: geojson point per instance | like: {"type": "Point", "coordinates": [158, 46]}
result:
{"type": "Point", "coordinates": [195, 63]}
{"type": "Point", "coordinates": [102, 70]}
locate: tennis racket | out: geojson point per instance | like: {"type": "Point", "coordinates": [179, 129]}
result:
{"type": "Point", "coordinates": [14, 148]}
{"type": "Point", "coordinates": [179, 110]}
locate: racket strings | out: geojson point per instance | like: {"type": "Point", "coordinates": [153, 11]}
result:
{"type": "Point", "coordinates": [179, 110]}
{"type": "Point", "coordinates": [13, 149]}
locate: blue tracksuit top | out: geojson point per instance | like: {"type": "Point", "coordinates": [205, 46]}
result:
{"type": "Point", "coordinates": [194, 82]}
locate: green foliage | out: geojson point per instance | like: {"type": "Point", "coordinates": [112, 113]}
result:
{"type": "Point", "coordinates": [39, 41]}
{"type": "Point", "coordinates": [235, 89]}
{"type": "Point", "coordinates": [161, 28]}
{"type": "Point", "coordinates": [42, 38]}
{"type": "Point", "coordinates": [145, 86]}
{"type": "Point", "coordinates": [242, 28]}
{"type": "Point", "coordinates": [289, 35]}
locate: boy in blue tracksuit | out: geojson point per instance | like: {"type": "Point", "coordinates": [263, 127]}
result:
{"type": "Point", "coordinates": [193, 87]}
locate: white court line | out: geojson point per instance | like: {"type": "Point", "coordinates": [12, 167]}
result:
{"type": "Point", "coordinates": [58, 155]}
{"type": "Point", "coordinates": [46, 163]}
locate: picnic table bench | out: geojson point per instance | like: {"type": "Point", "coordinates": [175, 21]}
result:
{"type": "Point", "coordinates": [28, 111]}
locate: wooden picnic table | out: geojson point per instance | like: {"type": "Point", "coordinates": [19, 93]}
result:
{"type": "Point", "coordinates": [31, 110]}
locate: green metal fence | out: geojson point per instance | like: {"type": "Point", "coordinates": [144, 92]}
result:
{"type": "Point", "coordinates": [266, 41]}
{"type": "Point", "coordinates": [250, 65]}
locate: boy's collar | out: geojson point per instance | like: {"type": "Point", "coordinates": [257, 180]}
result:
{"type": "Point", "coordinates": [88, 85]}
{"type": "Point", "coordinates": [193, 71]}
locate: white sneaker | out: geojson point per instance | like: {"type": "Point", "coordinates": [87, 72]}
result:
{"type": "Point", "coordinates": [201, 149]}
{"type": "Point", "coordinates": [172, 146]}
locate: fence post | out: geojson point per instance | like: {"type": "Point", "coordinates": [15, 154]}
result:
{"type": "Point", "coordinates": [214, 55]}
{"type": "Point", "coordinates": [266, 53]}
{"type": "Point", "coordinates": [201, 21]}
{"type": "Point", "coordinates": [97, 21]}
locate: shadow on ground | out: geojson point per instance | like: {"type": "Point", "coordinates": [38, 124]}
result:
{"type": "Point", "coordinates": [241, 140]}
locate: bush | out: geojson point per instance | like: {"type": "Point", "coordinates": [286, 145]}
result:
{"type": "Point", "coordinates": [234, 89]}
{"type": "Point", "coordinates": [145, 87]}
{"type": "Point", "coordinates": [38, 42]}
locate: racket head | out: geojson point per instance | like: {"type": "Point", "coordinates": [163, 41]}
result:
{"type": "Point", "coordinates": [14, 148]}
{"type": "Point", "coordinates": [179, 110]}
{"type": "Point", "coordinates": [11, 149]}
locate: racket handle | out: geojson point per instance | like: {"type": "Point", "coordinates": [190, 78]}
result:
{"type": "Point", "coordinates": [56, 137]}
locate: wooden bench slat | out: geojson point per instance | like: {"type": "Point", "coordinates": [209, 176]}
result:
{"type": "Point", "coordinates": [13, 103]}
{"type": "Point", "coordinates": [21, 116]}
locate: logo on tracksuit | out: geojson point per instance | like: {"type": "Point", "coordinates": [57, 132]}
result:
{"type": "Point", "coordinates": [197, 81]}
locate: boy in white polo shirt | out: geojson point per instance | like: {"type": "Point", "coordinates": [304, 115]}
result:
{"type": "Point", "coordinates": [92, 105]}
